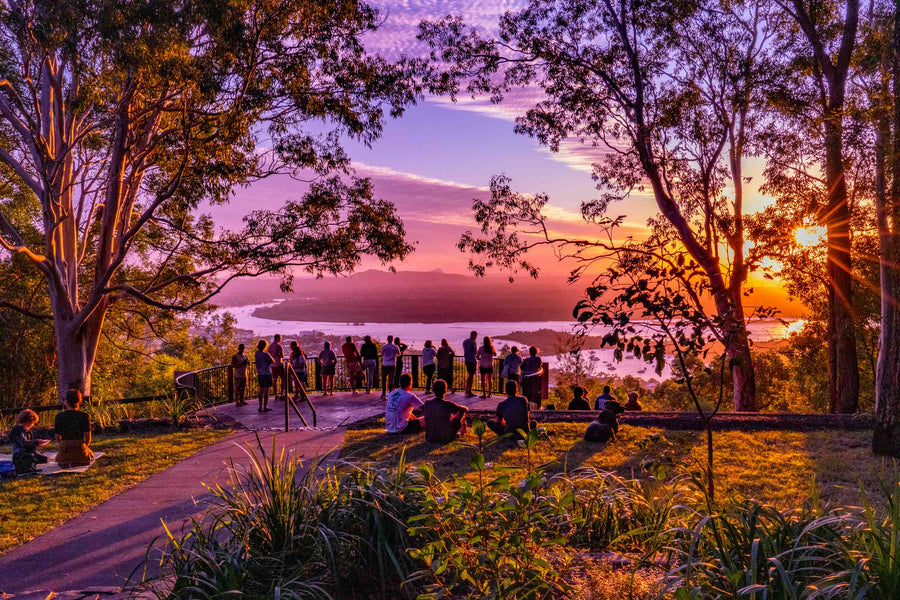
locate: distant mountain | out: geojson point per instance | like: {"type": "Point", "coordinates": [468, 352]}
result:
{"type": "Point", "coordinates": [411, 297]}
{"type": "Point", "coordinates": [427, 297]}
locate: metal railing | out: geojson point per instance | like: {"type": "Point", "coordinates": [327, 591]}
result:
{"type": "Point", "coordinates": [294, 389]}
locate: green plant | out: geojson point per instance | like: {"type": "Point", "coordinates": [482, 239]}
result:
{"type": "Point", "coordinates": [179, 406]}
{"type": "Point", "coordinates": [490, 539]}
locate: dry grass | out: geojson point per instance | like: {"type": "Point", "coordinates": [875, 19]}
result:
{"type": "Point", "coordinates": [778, 467]}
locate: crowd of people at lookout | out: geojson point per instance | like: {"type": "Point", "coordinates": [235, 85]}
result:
{"type": "Point", "coordinates": [369, 367]}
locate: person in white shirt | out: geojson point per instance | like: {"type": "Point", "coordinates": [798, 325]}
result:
{"type": "Point", "coordinates": [398, 412]}
{"type": "Point", "coordinates": [429, 352]}
{"type": "Point", "coordinates": [389, 354]}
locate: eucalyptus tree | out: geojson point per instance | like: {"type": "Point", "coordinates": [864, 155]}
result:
{"type": "Point", "coordinates": [820, 49]}
{"type": "Point", "coordinates": [671, 91]}
{"type": "Point", "coordinates": [127, 119]}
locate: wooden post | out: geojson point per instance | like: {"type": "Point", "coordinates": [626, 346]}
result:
{"type": "Point", "coordinates": [230, 384]}
{"type": "Point", "coordinates": [415, 370]}
{"type": "Point", "coordinates": [545, 381]}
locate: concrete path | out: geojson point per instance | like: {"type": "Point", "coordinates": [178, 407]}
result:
{"type": "Point", "coordinates": [108, 544]}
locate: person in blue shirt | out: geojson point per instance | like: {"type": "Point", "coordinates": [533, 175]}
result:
{"type": "Point", "coordinates": [25, 455]}
{"type": "Point", "coordinates": [603, 398]}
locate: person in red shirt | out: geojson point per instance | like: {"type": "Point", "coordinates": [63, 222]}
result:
{"type": "Point", "coordinates": [353, 362]}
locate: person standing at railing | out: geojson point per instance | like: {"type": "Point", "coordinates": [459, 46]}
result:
{"type": "Point", "coordinates": [470, 357]}
{"type": "Point", "coordinates": [264, 362]}
{"type": "Point", "coordinates": [298, 363]}
{"type": "Point", "coordinates": [398, 369]}
{"type": "Point", "coordinates": [352, 362]}
{"type": "Point", "coordinates": [277, 352]}
{"type": "Point", "coordinates": [369, 354]}
{"type": "Point", "coordinates": [429, 352]}
{"type": "Point", "coordinates": [445, 355]}
{"type": "Point", "coordinates": [328, 363]}
{"type": "Point", "coordinates": [239, 364]}
{"type": "Point", "coordinates": [532, 369]}
{"type": "Point", "coordinates": [512, 365]}
{"type": "Point", "coordinates": [389, 354]}
{"type": "Point", "coordinates": [485, 356]}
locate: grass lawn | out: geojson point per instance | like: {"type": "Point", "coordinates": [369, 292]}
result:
{"type": "Point", "coordinates": [30, 506]}
{"type": "Point", "coordinates": [778, 467]}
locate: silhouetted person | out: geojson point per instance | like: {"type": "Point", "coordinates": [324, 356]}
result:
{"type": "Point", "coordinates": [429, 354]}
{"type": "Point", "coordinates": [25, 455]}
{"type": "Point", "coordinates": [73, 431]}
{"type": "Point", "coordinates": [485, 356]}
{"type": "Point", "coordinates": [398, 370]}
{"type": "Point", "coordinates": [264, 362]}
{"type": "Point", "coordinates": [470, 358]}
{"type": "Point", "coordinates": [532, 370]}
{"type": "Point", "coordinates": [603, 398]}
{"type": "Point", "coordinates": [512, 365]}
{"type": "Point", "coordinates": [512, 414]}
{"type": "Point", "coordinates": [352, 360]}
{"type": "Point", "coordinates": [239, 364]}
{"type": "Point", "coordinates": [444, 420]}
{"type": "Point", "coordinates": [579, 402]}
{"type": "Point", "coordinates": [605, 425]}
{"type": "Point", "coordinates": [276, 350]}
{"type": "Point", "coordinates": [445, 357]}
{"type": "Point", "coordinates": [369, 354]}
{"type": "Point", "coordinates": [633, 404]}
{"type": "Point", "coordinates": [328, 364]}
{"type": "Point", "coordinates": [389, 354]}
{"type": "Point", "coordinates": [298, 362]}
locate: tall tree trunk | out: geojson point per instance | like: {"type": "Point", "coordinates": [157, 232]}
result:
{"type": "Point", "coordinates": [743, 375]}
{"type": "Point", "coordinates": [843, 368]}
{"type": "Point", "coordinates": [76, 347]}
{"type": "Point", "coordinates": [886, 437]}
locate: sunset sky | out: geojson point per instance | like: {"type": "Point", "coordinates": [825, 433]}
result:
{"type": "Point", "coordinates": [441, 155]}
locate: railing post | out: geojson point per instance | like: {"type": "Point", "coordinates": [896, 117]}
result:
{"type": "Point", "coordinates": [230, 384]}
{"type": "Point", "coordinates": [498, 367]}
{"type": "Point", "coordinates": [318, 376]}
{"type": "Point", "coordinates": [415, 370]}
{"type": "Point", "coordinates": [545, 381]}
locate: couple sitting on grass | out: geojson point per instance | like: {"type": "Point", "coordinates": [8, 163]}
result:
{"type": "Point", "coordinates": [72, 429]}
{"type": "Point", "coordinates": [443, 421]}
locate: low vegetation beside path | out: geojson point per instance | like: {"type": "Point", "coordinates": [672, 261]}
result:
{"type": "Point", "coordinates": [30, 506]}
{"type": "Point", "coordinates": [782, 468]}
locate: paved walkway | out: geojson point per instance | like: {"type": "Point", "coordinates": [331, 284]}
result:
{"type": "Point", "coordinates": [108, 544]}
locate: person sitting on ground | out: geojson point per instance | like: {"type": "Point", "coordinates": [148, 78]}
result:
{"type": "Point", "coordinates": [633, 404]}
{"type": "Point", "coordinates": [328, 362]}
{"type": "Point", "coordinates": [369, 354]}
{"type": "Point", "coordinates": [25, 455]}
{"type": "Point", "coordinates": [353, 362]}
{"type": "Point", "coordinates": [264, 362]}
{"type": "Point", "coordinates": [603, 398]}
{"type": "Point", "coordinates": [73, 431]}
{"type": "Point", "coordinates": [444, 420]}
{"type": "Point", "coordinates": [298, 363]}
{"type": "Point", "coordinates": [512, 414]}
{"type": "Point", "coordinates": [512, 365]}
{"type": "Point", "coordinates": [445, 357]}
{"type": "Point", "coordinates": [579, 402]}
{"type": "Point", "coordinates": [398, 370]}
{"type": "Point", "coordinates": [398, 412]}
{"type": "Point", "coordinates": [239, 364]}
{"type": "Point", "coordinates": [605, 425]}
{"type": "Point", "coordinates": [429, 353]}
{"type": "Point", "coordinates": [389, 354]}
{"type": "Point", "coordinates": [485, 356]}
{"type": "Point", "coordinates": [532, 370]}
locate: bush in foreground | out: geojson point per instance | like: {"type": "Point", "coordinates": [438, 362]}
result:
{"type": "Point", "coordinates": [286, 530]}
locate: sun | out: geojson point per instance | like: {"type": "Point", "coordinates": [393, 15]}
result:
{"type": "Point", "coordinates": [807, 237]}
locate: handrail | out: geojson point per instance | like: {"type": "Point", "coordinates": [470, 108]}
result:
{"type": "Point", "coordinates": [301, 391]}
